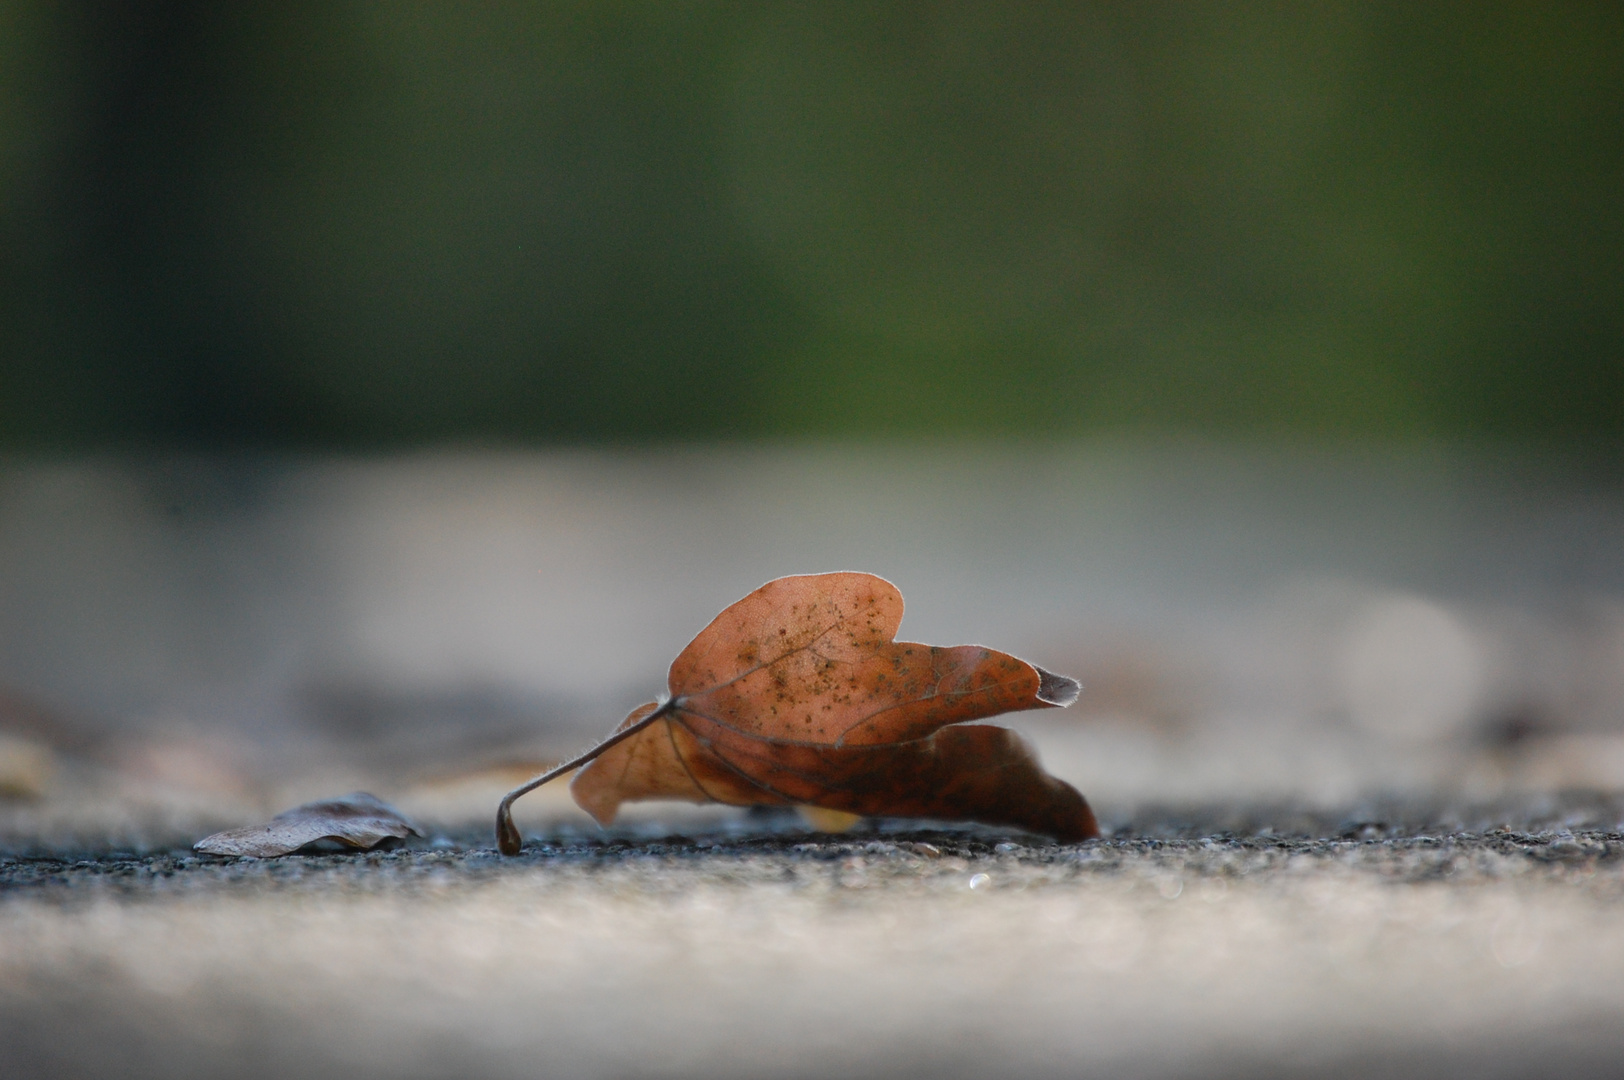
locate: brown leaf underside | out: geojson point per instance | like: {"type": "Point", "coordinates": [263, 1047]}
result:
{"type": "Point", "coordinates": [798, 694]}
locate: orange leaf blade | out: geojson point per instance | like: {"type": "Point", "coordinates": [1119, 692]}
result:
{"type": "Point", "coordinates": [798, 693]}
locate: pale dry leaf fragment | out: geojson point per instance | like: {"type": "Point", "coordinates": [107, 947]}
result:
{"type": "Point", "coordinates": [357, 820]}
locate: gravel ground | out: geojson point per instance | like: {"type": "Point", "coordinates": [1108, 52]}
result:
{"type": "Point", "coordinates": [1266, 637]}
{"type": "Point", "coordinates": [1381, 941]}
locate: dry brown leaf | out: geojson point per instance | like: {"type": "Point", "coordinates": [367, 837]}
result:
{"type": "Point", "coordinates": [798, 694]}
{"type": "Point", "coordinates": [358, 820]}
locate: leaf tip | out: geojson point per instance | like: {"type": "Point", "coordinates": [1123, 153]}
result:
{"type": "Point", "coordinates": [1057, 690]}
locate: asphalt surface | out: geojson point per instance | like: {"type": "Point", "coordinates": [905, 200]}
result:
{"type": "Point", "coordinates": [1380, 940]}
{"type": "Point", "coordinates": [1265, 635]}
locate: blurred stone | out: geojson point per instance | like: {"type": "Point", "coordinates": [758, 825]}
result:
{"type": "Point", "coordinates": [1409, 670]}
{"type": "Point", "coordinates": [193, 763]}
{"type": "Point", "coordinates": [26, 767]}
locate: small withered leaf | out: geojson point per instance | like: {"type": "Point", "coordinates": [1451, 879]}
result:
{"type": "Point", "coordinates": [799, 694]}
{"type": "Point", "coordinates": [357, 820]}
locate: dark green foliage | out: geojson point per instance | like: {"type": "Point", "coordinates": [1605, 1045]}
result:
{"type": "Point", "coordinates": [358, 224]}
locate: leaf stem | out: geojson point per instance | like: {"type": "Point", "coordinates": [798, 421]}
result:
{"type": "Point", "coordinates": [508, 840]}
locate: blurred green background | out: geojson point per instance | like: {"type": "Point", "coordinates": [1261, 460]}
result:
{"type": "Point", "coordinates": [367, 224]}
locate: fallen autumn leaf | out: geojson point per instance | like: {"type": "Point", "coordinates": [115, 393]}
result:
{"type": "Point", "coordinates": [798, 695]}
{"type": "Point", "coordinates": [357, 820]}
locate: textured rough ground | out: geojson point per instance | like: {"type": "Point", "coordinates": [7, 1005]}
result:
{"type": "Point", "coordinates": [1269, 634]}
{"type": "Point", "coordinates": [1264, 944]}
